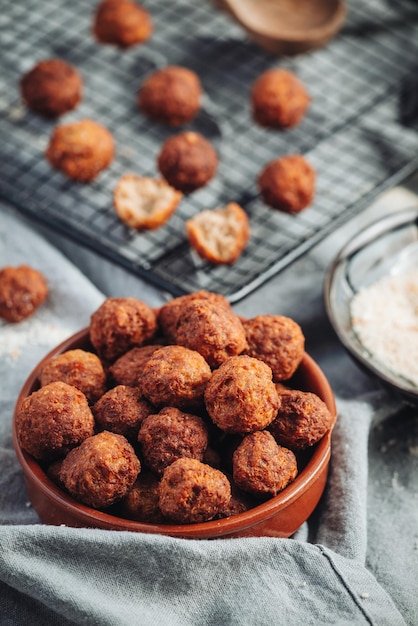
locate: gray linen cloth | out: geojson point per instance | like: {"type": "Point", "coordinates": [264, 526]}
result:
{"type": "Point", "coordinates": [354, 562]}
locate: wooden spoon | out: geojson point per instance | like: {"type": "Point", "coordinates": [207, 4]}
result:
{"type": "Point", "coordinates": [287, 27]}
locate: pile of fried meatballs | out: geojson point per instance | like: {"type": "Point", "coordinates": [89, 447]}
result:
{"type": "Point", "coordinates": [179, 415]}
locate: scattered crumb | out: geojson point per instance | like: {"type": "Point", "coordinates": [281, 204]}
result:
{"type": "Point", "coordinates": [364, 595]}
{"type": "Point", "coordinates": [395, 483]}
{"type": "Point", "coordinates": [413, 450]}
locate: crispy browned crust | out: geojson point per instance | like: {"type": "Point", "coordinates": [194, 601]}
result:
{"type": "Point", "coordinates": [163, 200]}
{"type": "Point", "coordinates": [187, 161]}
{"type": "Point", "coordinates": [122, 410]}
{"type": "Point", "coordinates": [261, 466]}
{"type": "Point", "coordinates": [288, 183]}
{"type": "Point", "coordinates": [122, 23]}
{"type": "Point", "coordinates": [191, 491]}
{"type": "Point", "coordinates": [170, 435]}
{"type": "Point", "coordinates": [219, 235]}
{"type": "Point", "coordinates": [81, 149]}
{"type": "Point", "coordinates": [127, 369]}
{"type": "Point", "coordinates": [52, 420]}
{"type": "Point", "coordinates": [22, 290]}
{"type": "Point", "coordinates": [52, 87]}
{"type": "Point", "coordinates": [279, 99]}
{"type": "Point", "coordinates": [171, 95]}
{"type": "Point", "coordinates": [79, 368]}
{"type": "Point", "coordinates": [141, 503]}
{"type": "Point", "coordinates": [241, 396]}
{"type": "Point", "coordinates": [101, 470]}
{"type": "Point", "coordinates": [278, 341]}
{"type": "Point", "coordinates": [302, 420]}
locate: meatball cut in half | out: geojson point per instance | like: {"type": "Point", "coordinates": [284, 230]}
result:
{"type": "Point", "coordinates": [22, 291]}
{"type": "Point", "coordinates": [262, 467]}
{"type": "Point", "coordinates": [171, 95]}
{"type": "Point", "coordinates": [191, 491]}
{"type": "Point", "coordinates": [79, 368]}
{"type": "Point", "coordinates": [144, 203]}
{"type": "Point", "coordinates": [219, 235]}
{"type": "Point", "coordinates": [52, 420]}
{"type": "Point", "coordinates": [288, 183]}
{"type": "Point", "coordinates": [279, 99]}
{"type": "Point", "coordinates": [120, 324]}
{"type": "Point", "coordinates": [241, 396]}
{"type": "Point", "coordinates": [122, 23]}
{"type": "Point", "coordinates": [101, 470]}
{"type": "Point", "coordinates": [81, 150]}
{"type": "Point", "coordinates": [302, 419]}
{"type": "Point", "coordinates": [52, 87]}
{"type": "Point", "coordinates": [278, 341]}
{"type": "Point", "coordinates": [175, 376]}
{"type": "Point", "coordinates": [187, 161]}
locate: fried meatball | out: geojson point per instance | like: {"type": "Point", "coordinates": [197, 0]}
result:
{"type": "Point", "coordinates": [261, 466]}
{"type": "Point", "coordinates": [240, 396]}
{"type": "Point", "coordinates": [101, 470]}
{"type": "Point", "coordinates": [214, 331]}
{"type": "Point", "coordinates": [175, 376]}
{"type": "Point", "coordinates": [52, 420]}
{"type": "Point", "coordinates": [22, 290]}
{"type": "Point", "coordinates": [120, 324]}
{"type": "Point", "coordinates": [169, 313]}
{"type": "Point", "coordinates": [302, 419]}
{"type": "Point", "coordinates": [144, 203]}
{"type": "Point", "coordinates": [127, 369]}
{"type": "Point", "coordinates": [121, 410]}
{"type": "Point", "coordinates": [171, 95]}
{"type": "Point", "coordinates": [219, 235]}
{"type": "Point", "coordinates": [278, 341]}
{"type": "Point", "coordinates": [81, 150]}
{"type": "Point", "coordinates": [187, 161]}
{"type": "Point", "coordinates": [170, 435]}
{"type": "Point", "coordinates": [122, 23]}
{"type": "Point", "coordinates": [288, 183]}
{"type": "Point", "coordinates": [52, 87]}
{"type": "Point", "coordinates": [141, 503]}
{"type": "Point", "coordinates": [191, 491]}
{"type": "Point", "coordinates": [279, 99]}
{"type": "Point", "coordinates": [79, 368]}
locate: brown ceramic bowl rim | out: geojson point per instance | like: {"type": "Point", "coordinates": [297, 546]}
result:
{"type": "Point", "coordinates": [225, 526]}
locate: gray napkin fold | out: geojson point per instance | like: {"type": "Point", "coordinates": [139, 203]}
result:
{"type": "Point", "coordinates": [59, 575]}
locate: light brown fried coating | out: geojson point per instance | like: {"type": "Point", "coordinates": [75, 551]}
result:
{"type": "Point", "coordinates": [187, 161]}
{"type": "Point", "coordinates": [170, 435]}
{"type": "Point", "coordinates": [120, 324]}
{"type": "Point", "coordinates": [302, 419]}
{"type": "Point", "coordinates": [52, 420]}
{"type": "Point", "coordinates": [288, 183]}
{"type": "Point", "coordinates": [175, 376]}
{"type": "Point", "coordinates": [213, 330]}
{"type": "Point", "coordinates": [144, 203]}
{"type": "Point", "coordinates": [191, 491]}
{"type": "Point", "coordinates": [171, 95]}
{"type": "Point", "coordinates": [122, 410]}
{"type": "Point", "coordinates": [241, 396]}
{"type": "Point", "coordinates": [81, 149]}
{"type": "Point", "coordinates": [278, 341]}
{"type": "Point", "coordinates": [22, 290]}
{"type": "Point", "coordinates": [122, 23]}
{"type": "Point", "coordinates": [79, 368]}
{"type": "Point", "coordinates": [52, 87]}
{"type": "Point", "coordinates": [262, 467]}
{"type": "Point", "coordinates": [127, 369]}
{"type": "Point", "coordinates": [101, 470]}
{"type": "Point", "coordinates": [219, 235]}
{"type": "Point", "coordinates": [169, 313]}
{"type": "Point", "coordinates": [141, 503]}
{"type": "Point", "coordinates": [279, 99]}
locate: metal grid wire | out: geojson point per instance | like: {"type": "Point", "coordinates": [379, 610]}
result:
{"type": "Point", "coordinates": [360, 132]}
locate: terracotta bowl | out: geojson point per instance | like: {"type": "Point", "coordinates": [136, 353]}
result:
{"type": "Point", "coordinates": [280, 516]}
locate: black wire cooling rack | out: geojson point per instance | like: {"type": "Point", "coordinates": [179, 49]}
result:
{"type": "Point", "coordinates": [360, 133]}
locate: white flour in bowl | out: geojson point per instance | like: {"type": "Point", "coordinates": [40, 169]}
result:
{"type": "Point", "coordinates": [385, 319]}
